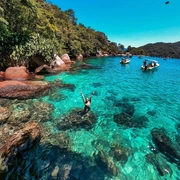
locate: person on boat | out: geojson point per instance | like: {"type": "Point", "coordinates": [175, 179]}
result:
{"type": "Point", "coordinates": [87, 102]}
{"type": "Point", "coordinates": [145, 65]}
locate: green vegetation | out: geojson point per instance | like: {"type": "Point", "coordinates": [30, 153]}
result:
{"type": "Point", "coordinates": [159, 50]}
{"type": "Point", "coordinates": [35, 28]}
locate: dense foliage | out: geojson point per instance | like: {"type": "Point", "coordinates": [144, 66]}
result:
{"type": "Point", "coordinates": [159, 50]}
{"type": "Point", "coordinates": [31, 28]}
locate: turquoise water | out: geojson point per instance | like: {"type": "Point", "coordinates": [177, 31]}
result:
{"type": "Point", "coordinates": [154, 94]}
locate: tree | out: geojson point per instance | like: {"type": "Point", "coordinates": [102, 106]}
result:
{"type": "Point", "coordinates": [71, 15]}
{"type": "Point", "coordinates": [128, 49]}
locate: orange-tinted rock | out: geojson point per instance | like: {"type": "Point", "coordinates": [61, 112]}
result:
{"type": "Point", "coordinates": [23, 90]}
{"type": "Point", "coordinates": [58, 68]}
{"type": "Point", "coordinates": [62, 67]}
{"type": "Point", "coordinates": [80, 57]}
{"type": "Point", "coordinates": [57, 60]}
{"type": "Point", "coordinates": [66, 58]}
{"type": "Point", "coordinates": [39, 77]}
{"type": "Point", "coordinates": [17, 73]}
{"type": "Point", "coordinates": [2, 75]}
{"type": "Point", "coordinates": [24, 138]}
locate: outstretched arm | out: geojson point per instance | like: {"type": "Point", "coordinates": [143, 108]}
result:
{"type": "Point", "coordinates": [91, 96]}
{"type": "Point", "coordinates": [83, 97]}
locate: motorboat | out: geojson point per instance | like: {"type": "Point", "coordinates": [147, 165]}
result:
{"type": "Point", "coordinates": [149, 64]}
{"type": "Point", "coordinates": [125, 61]}
{"type": "Point", "coordinates": [141, 56]}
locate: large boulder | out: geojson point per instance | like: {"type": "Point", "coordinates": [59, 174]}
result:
{"type": "Point", "coordinates": [23, 90]}
{"type": "Point", "coordinates": [57, 60]}
{"type": "Point", "coordinates": [20, 140]}
{"type": "Point", "coordinates": [17, 73]}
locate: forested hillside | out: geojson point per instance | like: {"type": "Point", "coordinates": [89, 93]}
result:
{"type": "Point", "coordinates": [159, 49]}
{"type": "Point", "coordinates": [35, 28]}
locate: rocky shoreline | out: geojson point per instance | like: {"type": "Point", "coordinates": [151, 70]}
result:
{"type": "Point", "coordinates": [23, 125]}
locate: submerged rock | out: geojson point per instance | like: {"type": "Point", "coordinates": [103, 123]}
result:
{"type": "Point", "coordinates": [20, 140]}
{"type": "Point", "coordinates": [43, 111]}
{"type": "Point", "coordinates": [56, 97]}
{"type": "Point", "coordinates": [55, 172]}
{"type": "Point", "coordinates": [4, 114]}
{"type": "Point", "coordinates": [61, 139]}
{"type": "Point", "coordinates": [158, 163]}
{"type": "Point", "coordinates": [165, 145]}
{"type": "Point", "coordinates": [76, 119]}
{"type": "Point", "coordinates": [58, 84]}
{"type": "Point", "coordinates": [19, 114]}
{"type": "Point", "coordinates": [120, 153]}
{"type": "Point", "coordinates": [151, 112]}
{"type": "Point", "coordinates": [126, 107]}
{"type": "Point", "coordinates": [126, 120]}
{"type": "Point", "coordinates": [106, 163]}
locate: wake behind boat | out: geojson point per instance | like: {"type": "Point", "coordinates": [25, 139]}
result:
{"type": "Point", "coordinates": [149, 64]}
{"type": "Point", "coordinates": [125, 61]}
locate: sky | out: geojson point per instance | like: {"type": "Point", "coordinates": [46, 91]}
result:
{"type": "Point", "coordinates": [128, 22]}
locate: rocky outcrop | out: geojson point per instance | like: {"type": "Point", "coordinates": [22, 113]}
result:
{"type": "Point", "coordinates": [66, 59]}
{"type": "Point", "coordinates": [20, 140]}
{"type": "Point", "coordinates": [99, 54]}
{"type": "Point", "coordinates": [79, 57]}
{"type": "Point", "coordinates": [58, 61]}
{"type": "Point", "coordinates": [17, 73]}
{"type": "Point", "coordinates": [76, 119]}
{"type": "Point", "coordinates": [23, 90]}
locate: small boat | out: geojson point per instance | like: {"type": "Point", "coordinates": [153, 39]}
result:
{"type": "Point", "coordinates": [149, 64]}
{"type": "Point", "coordinates": [125, 61]}
{"type": "Point", "coordinates": [141, 56]}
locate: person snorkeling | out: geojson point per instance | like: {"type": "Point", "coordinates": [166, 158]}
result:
{"type": "Point", "coordinates": [87, 102]}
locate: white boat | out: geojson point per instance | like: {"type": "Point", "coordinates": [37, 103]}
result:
{"type": "Point", "coordinates": [150, 64]}
{"type": "Point", "coordinates": [125, 61]}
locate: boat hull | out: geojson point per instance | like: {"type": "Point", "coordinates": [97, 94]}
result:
{"type": "Point", "coordinates": [127, 61]}
{"type": "Point", "coordinates": [150, 68]}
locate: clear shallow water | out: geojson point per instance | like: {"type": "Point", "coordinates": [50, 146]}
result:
{"type": "Point", "coordinates": [156, 91]}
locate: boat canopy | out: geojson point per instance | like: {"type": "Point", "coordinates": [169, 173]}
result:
{"type": "Point", "coordinates": [151, 60]}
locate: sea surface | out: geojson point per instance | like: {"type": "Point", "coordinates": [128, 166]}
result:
{"type": "Point", "coordinates": [153, 95]}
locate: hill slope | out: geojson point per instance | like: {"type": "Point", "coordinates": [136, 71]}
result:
{"type": "Point", "coordinates": [163, 49]}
